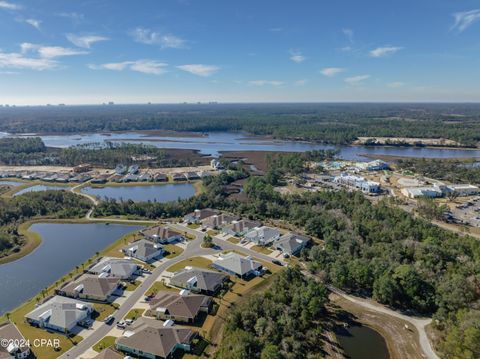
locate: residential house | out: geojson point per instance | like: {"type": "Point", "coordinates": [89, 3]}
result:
{"type": "Point", "coordinates": [160, 177]}
{"type": "Point", "coordinates": [263, 235]}
{"type": "Point", "coordinates": [162, 234]}
{"type": "Point", "coordinates": [152, 339]}
{"type": "Point", "coordinates": [91, 287]}
{"type": "Point", "coordinates": [218, 220]}
{"type": "Point", "coordinates": [13, 344]}
{"type": "Point", "coordinates": [133, 169]}
{"type": "Point", "coordinates": [143, 250]}
{"type": "Point", "coordinates": [291, 244]}
{"type": "Point", "coordinates": [234, 264]}
{"type": "Point", "coordinates": [115, 267]}
{"type": "Point", "coordinates": [109, 353]}
{"type": "Point", "coordinates": [61, 314]}
{"type": "Point", "coordinates": [198, 280]}
{"type": "Point", "coordinates": [199, 214]}
{"type": "Point", "coordinates": [240, 228]}
{"type": "Point", "coordinates": [179, 177]}
{"type": "Point", "coordinates": [192, 176]}
{"type": "Point", "coordinates": [184, 307]}
{"type": "Point", "coordinates": [120, 169]}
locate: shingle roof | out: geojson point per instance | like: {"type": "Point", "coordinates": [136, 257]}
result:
{"type": "Point", "coordinates": [264, 233]}
{"type": "Point", "coordinates": [161, 232]}
{"type": "Point", "coordinates": [109, 354]}
{"type": "Point", "coordinates": [237, 264]}
{"type": "Point", "coordinates": [60, 311]}
{"type": "Point", "coordinates": [291, 242]}
{"type": "Point", "coordinates": [92, 285]}
{"type": "Point", "coordinates": [142, 248]}
{"type": "Point", "coordinates": [117, 267]}
{"type": "Point", "coordinates": [187, 306]}
{"type": "Point", "coordinates": [157, 341]}
{"type": "Point", "coordinates": [205, 280]}
{"type": "Point", "coordinates": [10, 332]}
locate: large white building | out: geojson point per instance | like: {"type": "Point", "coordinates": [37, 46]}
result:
{"type": "Point", "coordinates": [461, 189]}
{"type": "Point", "coordinates": [358, 183]}
{"type": "Point", "coordinates": [428, 192]}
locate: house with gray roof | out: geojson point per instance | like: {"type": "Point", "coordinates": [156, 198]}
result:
{"type": "Point", "coordinates": [263, 235]}
{"type": "Point", "coordinates": [199, 214]}
{"type": "Point", "coordinates": [143, 250]}
{"type": "Point", "coordinates": [91, 287]}
{"type": "Point", "coordinates": [162, 234]}
{"type": "Point", "coordinates": [198, 280]}
{"type": "Point", "coordinates": [234, 264]}
{"type": "Point", "coordinates": [115, 267]}
{"type": "Point", "coordinates": [291, 244]}
{"type": "Point", "coordinates": [184, 307]}
{"type": "Point", "coordinates": [61, 314]}
{"type": "Point", "coordinates": [15, 344]}
{"type": "Point", "coordinates": [240, 228]}
{"type": "Point", "coordinates": [145, 339]}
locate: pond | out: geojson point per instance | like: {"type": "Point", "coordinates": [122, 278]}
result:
{"type": "Point", "coordinates": [11, 183]}
{"type": "Point", "coordinates": [362, 342]}
{"type": "Point", "coordinates": [215, 142]}
{"type": "Point", "coordinates": [63, 247]}
{"type": "Point", "coordinates": [38, 188]}
{"type": "Point", "coordinates": [142, 193]}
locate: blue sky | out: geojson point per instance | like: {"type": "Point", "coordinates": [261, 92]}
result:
{"type": "Point", "coordinates": [92, 51]}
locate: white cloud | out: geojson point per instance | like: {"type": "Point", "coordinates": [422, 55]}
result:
{"type": "Point", "coordinates": [19, 61]}
{"type": "Point", "coordinates": [149, 37]}
{"type": "Point", "coordinates": [331, 71]}
{"type": "Point", "coordinates": [49, 52]}
{"type": "Point", "coordinates": [85, 41]}
{"type": "Point", "coordinates": [9, 6]}
{"type": "Point", "coordinates": [384, 51]}
{"type": "Point", "coordinates": [301, 82]}
{"type": "Point", "coordinates": [356, 79]}
{"type": "Point", "coordinates": [465, 19]}
{"type": "Point", "coordinates": [297, 57]}
{"type": "Point", "coordinates": [349, 34]}
{"type": "Point", "coordinates": [265, 82]}
{"type": "Point", "coordinates": [395, 84]}
{"type": "Point", "coordinates": [150, 67]}
{"type": "Point", "coordinates": [35, 23]}
{"type": "Point", "coordinates": [75, 16]}
{"type": "Point", "coordinates": [199, 69]}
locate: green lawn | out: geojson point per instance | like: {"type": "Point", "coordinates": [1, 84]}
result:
{"type": "Point", "coordinates": [103, 310]}
{"type": "Point", "coordinates": [233, 240]}
{"type": "Point", "coordinates": [212, 232]}
{"type": "Point", "coordinates": [132, 286]}
{"type": "Point", "coordinates": [134, 314]}
{"type": "Point", "coordinates": [159, 286]}
{"type": "Point", "coordinates": [193, 225]}
{"type": "Point", "coordinates": [193, 262]}
{"type": "Point", "coordinates": [105, 343]}
{"type": "Point", "coordinates": [173, 250]}
{"type": "Point", "coordinates": [262, 249]}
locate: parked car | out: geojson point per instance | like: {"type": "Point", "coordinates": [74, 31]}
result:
{"type": "Point", "coordinates": [109, 319]}
{"type": "Point", "coordinates": [277, 262]}
{"type": "Point", "coordinates": [129, 321]}
{"type": "Point", "coordinates": [121, 324]}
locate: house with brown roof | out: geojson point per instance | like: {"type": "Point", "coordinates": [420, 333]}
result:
{"type": "Point", "coordinates": [109, 353]}
{"type": "Point", "coordinates": [13, 343]}
{"type": "Point", "coordinates": [162, 234]}
{"type": "Point", "coordinates": [147, 339]}
{"type": "Point", "coordinates": [199, 214]}
{"type": "Point", "coordinates": [91, 287]}
{"type": "Point", "coordinates": [184, 307]}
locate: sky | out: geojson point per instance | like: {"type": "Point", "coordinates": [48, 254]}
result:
{"type": "Point", "coordinates": [168, 51]}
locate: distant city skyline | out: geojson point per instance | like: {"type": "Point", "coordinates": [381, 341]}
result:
{"type": "Point", "coordinates": [98, 51]}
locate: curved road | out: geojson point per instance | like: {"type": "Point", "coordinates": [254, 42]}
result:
{"type": "Point", "coordinates": [418, 323]}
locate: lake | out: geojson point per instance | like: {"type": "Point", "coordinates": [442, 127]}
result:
{"type": "Point", "coordinates": [142, 193]}
{"type": "Point", "coordinates": [63, 247]}
{"type": "Point", "coordinates": [215, 142]}
{"type": "Point", "coordinates": [11, 183]}
{"type": "Point", "coordinates": [40, 187]}
{"type": "Point", "coordinates": [362, 342]}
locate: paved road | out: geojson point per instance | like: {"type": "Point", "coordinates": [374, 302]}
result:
{"type": "Point", "coordinates": [193, 249]}
{"type": "Point", "coordinates": [419, 323]}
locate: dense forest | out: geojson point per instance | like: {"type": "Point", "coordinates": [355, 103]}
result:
{"type": "Point", "coordinates": [283, 322]}
{"type": "Point", "coordinates": [50, 204]}
{"type": "Point", "coordinates": [32, 151]}
{"type": "Point", "coordinates": [456, 171]}
{"type": "Point", "coordinates": [328, 123]}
